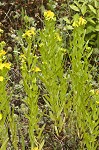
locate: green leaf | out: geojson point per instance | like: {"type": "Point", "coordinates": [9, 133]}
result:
{"type": "Point", "coordinates": [67, 20]}
{"type": "Point", "coordinates": [69, 27]}
{"type": "Point", "coordinates": [97, 28]}
{"type": "Point", "coordinates": [75, 8]}
{"type": "Point", "coordinates": [96, 4]}
{"type": "Point", "coordinates": [92, 9]}
{"type": "Point", "coordinates": [41, 131]}
{"type": "Point", "coordinates": [76, 17]}
{"type": "Point", "coordinates": [90, 29]}
{"type": "Point", "coordinates": [41, 145]}
{"type": "Point", "coordinates": [91, 21]}
{"type": "Point", "coordinates": [83, 9]}
{"type": "Point", "coordinates": [4, 144]}
{"type": "Point", "coordinates": [77, 4]}
{"type": "Point", "coordinates": [88, 55]}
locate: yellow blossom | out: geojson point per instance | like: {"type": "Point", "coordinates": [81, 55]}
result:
{"type": "Point", "coordinates": [1, 78]}
{"type": "Point", "coordinates": [22, 56]}
{"type": "Point", "coordinates": [58, 37]}
{"type": "Point", "coordinates": [7, 65]}
{"type": "Point", "coordinates": [0, 116]}
{"type": "Point", "coordinates": [75, 24]}
{"type": "Point", "coordinates": [82, 21]}
{"type": "Point", "coordinates": [36, 69]}
{"type": "Point", "coordinates": [97, 102]}
{"type": "Point", "coordinates": [1, 66]}
{"type": "Point", "coordinates": [32, 30]}
{"type": "Point", "coordinates": [26, 34]}
{"type": "Point", "coordinates": [2, 52]}
{"type": "Point", "coordinates": [29, 33]}
{"type": "Point", "coordinates": [49, 15]}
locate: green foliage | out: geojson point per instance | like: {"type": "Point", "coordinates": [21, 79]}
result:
{"type": "Point", "coordinates": [84, 107]}
{"type": "Point", "coordinates": [29, 74]}
{"type": "Point", "coordinates": [89, 10]}
{"type": "Point", "coordinates": [4, 99]}
{"type": "Point", "coordinates": [52, 75]}
{"type": "Point", "coordinates": [69, 107]}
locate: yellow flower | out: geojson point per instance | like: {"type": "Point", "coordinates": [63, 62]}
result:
{"type": "Point", "coordinates": [22, 56]}
{"type": "Point", "coordinates": [26, 34]}
{"type": "Point", "coordinates": [58, 37]}
{"type": "Point", "coordinates": [97, 102]}
{"type": "Point", "coordinates": [1, 78]}
{"type": "Point", "coordinates": [0, 116]}
{"type": "Point", "coordinates": [29, 33]}
{"type": "Point", "coordinates": [32, 30]}
{"type": "Point", "coordinates": [7, 65]}
{"type": "Point", "coordinates": [2, 52]}
{"type": "Point", "coordinates": [82, 21]}
{"type": "Point", "coordinates": [1, 66]}
{"type": "Point", "coordinates": [37, 69]}
{"type": "Point", "coordinates": [49, 15]}
{"type": "Point", "coordinates": [75, 24]}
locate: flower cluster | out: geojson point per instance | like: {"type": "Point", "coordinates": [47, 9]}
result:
{"type": "Point", "coordinates": [22, 58]}
{"type": "Point", "coordinates": [36, 69]}
{"type": "Point", "coordinates": [49, 15]}
{"type": "Point", "coordinates": [3, 64]}
{"type": "Point", "coordinates": [29, 33]}
{"type": "Point", "coordinates": [81, 21]}
{"type": "Point", "coordinates": [2, 52]}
